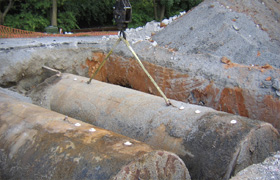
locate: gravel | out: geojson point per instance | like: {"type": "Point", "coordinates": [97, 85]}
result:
{"type": "Point", "coordinates": [267, 170]}
{"type": "Point", "coordinates": [217, 30]}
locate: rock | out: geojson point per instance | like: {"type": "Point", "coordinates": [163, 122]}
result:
{"type": "Point", "coordinates": [235, 27]}
{"type": "Point", "coordinates": [276, 84]}
{"type": "Point", "coordinates": [268, 78]}
{"type": "Point", "coordinates": [278, 93]}
{"type": "Point", "coordinates": [267, 170]}
{"type": "Point", "coordinates": [266, 84]}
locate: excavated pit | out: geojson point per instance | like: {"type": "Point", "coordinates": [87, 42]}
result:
{"type": "Point", "coordinates": [212, 144]}
{"type": "Point", "coordinates": [226, 60]}
{"type": "Point", "coordinates": [27, 67]}
{"type": "Point", "coordinates": [183, 87]}
{"type": "Point", "coordinates": [122, 69]}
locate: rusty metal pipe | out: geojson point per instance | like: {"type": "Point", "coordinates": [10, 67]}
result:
{"type": "Point", "coordinates": [213, 145]}
{"type": "Point", "coordinates": [36, 143]}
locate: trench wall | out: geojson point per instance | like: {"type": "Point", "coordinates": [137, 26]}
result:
{"type": "Point", "coordinates": [125, 71]}
{"type": "Point", "coordinates": [234, 88]}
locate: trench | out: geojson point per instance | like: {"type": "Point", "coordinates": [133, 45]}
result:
{"type": "Point", "coordinates": [180, 86]}
{"type": "Point", "coordinates": [125, 71]}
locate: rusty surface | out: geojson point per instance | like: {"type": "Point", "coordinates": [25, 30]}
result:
{"type": "Point", "coordinates": [36, 143]}
{"type": "Point", "coordinates": [237, 101]}
{"type": "Point", "coordinates": [180, 86]}
{"type": "Point", "coordinates": [213, 145]}
{"type": "Point", "coordinates": [127, 72]}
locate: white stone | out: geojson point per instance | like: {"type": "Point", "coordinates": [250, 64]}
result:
{"type": "Point", "coordinates": [127, 143]}
{"type": "Point", "coordinates": [165, 21]}
{"type": "Point", "coordinates": [197, 112]}
{"type": "Point", "coordinates": [77, 124]}
{"type": "Point", "coordinates": [233, 121]}
{"type": "Point", "coordinates": [92, 130]}
{"type": "Point", "coordinates": [154, 43]}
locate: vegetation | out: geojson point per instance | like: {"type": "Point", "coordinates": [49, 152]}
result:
{"type": "Point", "coordinates": [4, 9]}
{"type": "Point", "coordinates": [36, 15]}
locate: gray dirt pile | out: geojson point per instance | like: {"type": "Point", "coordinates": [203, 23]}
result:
{"type": "Point", "coordinates": [247, 32]}
{"type": "Point", "coordinates": [267, 170]}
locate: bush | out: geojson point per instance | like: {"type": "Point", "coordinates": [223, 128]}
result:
{"type": "Point", "coordinates": [27, 21]}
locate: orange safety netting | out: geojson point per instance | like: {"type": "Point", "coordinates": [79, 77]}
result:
{"type": "Point", "coordinates": [7, 32]}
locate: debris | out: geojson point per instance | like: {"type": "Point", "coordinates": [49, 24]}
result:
{"type": "Point", "coordinates": [235, 27]}
{"type": "Point", "coordinates": [267, 66]}
{"type": "Point", "coordinates": [233, 121]}
{"type": "Point", "coordinates": [92, 130]}
{"type": "Point", "coordinates": [77, 124]}
{"type": "Point", "coordinates": [266, 84]}
{"type": "Point", "coordinates": [268, 78]}
{"type": "Point", "coordinates": [201, 103]}
{"type": "Point", "coordinates": [127, 143]}
{"type": "Point", "coordinates": [276, 84]}
{"type": "Point", "coordinates": [197, 112]}
{"type": "Point", "coordinates": [225, 60]}
{"type": "Point", "coordinates": [147, 38]}
{"type": "Point", "coordinates": [182, 108]}
{"type": "Point", "coordinates": [154, 43]}
{"type": "Point", "coordinates": [182, 13]}
{"type": "Point", "coordinates": [66, 119]}
{"type": "Point", "coordinates": [75, 79]}
{"type": "Point", "coordinates": [268, 169]}
{"type": "Point", "coordinates": [162, 25]}
{"type": "Point", "coordinates": [52, 70]}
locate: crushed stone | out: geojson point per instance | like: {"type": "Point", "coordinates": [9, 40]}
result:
{"type": "Point", "coordinates": [217, 30]}
{"type": "Point", "coordinates": [267, 170]}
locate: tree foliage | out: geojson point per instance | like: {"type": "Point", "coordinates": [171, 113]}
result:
{"type": "Point", "coordinates": [35, 15]}
{"type": "Point", "coordinates": [5, 6]}
{"type": "Point", "coordinates": [142, 12]}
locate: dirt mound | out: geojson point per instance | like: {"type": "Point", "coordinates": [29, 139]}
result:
{"type": "Point", "coordinates": [247, 32]}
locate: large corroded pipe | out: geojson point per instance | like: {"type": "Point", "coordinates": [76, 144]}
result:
{"type": "Point", "coordinates": [213, 145]}
{"type": "Point", "coordinates": [36, 143]}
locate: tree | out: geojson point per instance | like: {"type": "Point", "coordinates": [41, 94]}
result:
{"type": "Point", "coordinates": [142, 12]}
{"type": "Point", "coordinates": [34, 15]}
{"type": "Point", "coordinates": [54, 13]}
{"type": "Point", "coordinates": [167, 8]}
{"type": "Point", "coordinates": [161, 6]}
{"type": "Point", "coordinates": [5, 10]}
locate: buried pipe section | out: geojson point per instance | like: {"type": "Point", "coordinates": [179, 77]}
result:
{"type": "Point", "coordinates": [213, 144]}
{"type": "Point", "coordinates": [36, 143]}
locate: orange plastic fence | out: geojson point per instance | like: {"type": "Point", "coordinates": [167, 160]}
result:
{"type": "Point", "coordinates": [7, 32]}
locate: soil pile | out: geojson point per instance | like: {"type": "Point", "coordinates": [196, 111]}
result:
{"type": "Point", "coordinates": [247, 32]}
